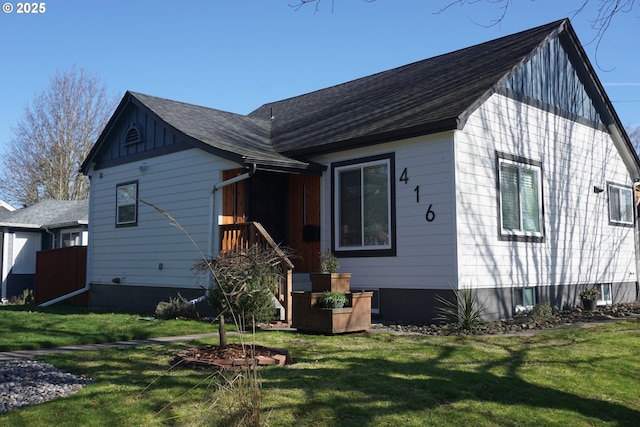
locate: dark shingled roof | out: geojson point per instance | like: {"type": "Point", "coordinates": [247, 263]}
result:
{"type": "Point", "coordinates": [221, 130]}
{"type": "Point", "coordinates": [423, 97]}
{"type": "Point", "coordinates": [48, 214]}
{"type": "Point", "coordinates": [429, 96]}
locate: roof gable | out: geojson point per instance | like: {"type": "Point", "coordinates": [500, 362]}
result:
{"type": "Point", "coordinates": [165, 126]}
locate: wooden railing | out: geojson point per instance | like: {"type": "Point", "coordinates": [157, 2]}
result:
{"type": "Point", "coordinates": [247, 234]}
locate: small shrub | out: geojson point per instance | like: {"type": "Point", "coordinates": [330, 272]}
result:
{"type": "Point", "coordinates": [541, 312]}
{"type": "Point", "coordinates": [25, 299]}
{"type": "Point", "coordinates": [328, 262]}
{"type": "Point", "coordinates": [178, 307]}
{"type": "Point", "coordinates": [332, 299]}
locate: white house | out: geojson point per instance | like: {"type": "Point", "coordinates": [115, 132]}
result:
{"type": "Point", "coordinates": [501, 167]}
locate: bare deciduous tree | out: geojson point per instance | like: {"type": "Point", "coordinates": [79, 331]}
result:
{"type": "Point", "coordinates": [634, 136]}
{"type": "Point", "coordinates": [52, 139]}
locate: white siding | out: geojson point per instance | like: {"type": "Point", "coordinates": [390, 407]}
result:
{"type": "Point", "coordinates": [425, 250]}
{"type": "Point", "coordinates": [580, 246]}
{"type": "Point", "coordinates": [179, 184]}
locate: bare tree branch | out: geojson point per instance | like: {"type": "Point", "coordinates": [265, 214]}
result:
{"type": "Point", "coordinates": [607, 10]}
{"type": "Point", "coordinates": [303, 3]}
{"type": "Point", "coordinates": [634, 136]}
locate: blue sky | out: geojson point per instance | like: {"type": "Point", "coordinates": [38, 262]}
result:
{"type": "Point", "coordinates": [236, 55]}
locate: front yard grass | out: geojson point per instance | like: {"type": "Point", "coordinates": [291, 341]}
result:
{"type": "Point", "coordinates": [29, 327]}
{"type": "Point", "coordinates": [577, 377]}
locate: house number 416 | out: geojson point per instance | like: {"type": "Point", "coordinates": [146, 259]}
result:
{"type": "Point", "coordinates": [430, 215]}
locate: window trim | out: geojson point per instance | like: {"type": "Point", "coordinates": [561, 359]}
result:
{"type": "Point", "coordinates": [620, 188]}
{"type": "Point", "coordinates": [519, 235]}
{"type": "Point", "coordinates": [135, 220]}
{"type": "Point", "coordinates": [389, 158]}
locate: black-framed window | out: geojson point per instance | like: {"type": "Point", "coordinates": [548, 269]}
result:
{"type": "Point", "coordinates": [363, 211]}
{"type": "Point", "coordinates": [127, 204]}
{"type": "Point", "coordinates": [620, 204]}
{"type": "Point", "coordinates": [520, 198]}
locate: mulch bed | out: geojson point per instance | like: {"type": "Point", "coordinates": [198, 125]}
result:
{"type": "Point", "coordinates": [232, 357]}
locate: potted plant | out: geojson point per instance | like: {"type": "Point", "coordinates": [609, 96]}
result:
{"type": "Point", "coordinates": [332, 299]}
{"type": "Point", "coordinates": [589, 297]}
{"type": "Point", "coordinates": [327, 279]}
{"type": "Point", "coordinates": [328, 262]}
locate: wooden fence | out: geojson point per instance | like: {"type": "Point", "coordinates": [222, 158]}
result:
{"type": "Point", "coordinates": [59, 272]}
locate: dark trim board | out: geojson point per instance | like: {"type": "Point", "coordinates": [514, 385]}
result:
{"type": "Point", "coordinates": [410, 306]}
{"type": "Point", "coordinates": [141, 299]}
{"type": "Point", "coordinates": [419, 306]}
{"type": "Point", "coordinates": [500, 302]}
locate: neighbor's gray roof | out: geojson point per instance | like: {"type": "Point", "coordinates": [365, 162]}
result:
{"type": "Point", "coordinates": [423, 97]}
{"type": "Point", "coordinates": [221, 130]}
{"type": "Point", "coordinates": [48, 214]}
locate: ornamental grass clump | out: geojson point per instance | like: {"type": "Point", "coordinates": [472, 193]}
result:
{"type": "Point", "coordinates": [464, 310]}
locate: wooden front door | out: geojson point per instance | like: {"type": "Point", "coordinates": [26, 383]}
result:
{"type": "Point", "coordinates": [287, 206]}
{"type": "Point", "coordinates": [304, 221]}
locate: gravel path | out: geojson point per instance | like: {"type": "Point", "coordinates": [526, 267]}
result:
{"type": "Point", "coordinates": [26, 382]}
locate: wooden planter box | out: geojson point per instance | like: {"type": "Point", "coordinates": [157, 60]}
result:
{"type": "Point", "coordinates": [307, 318]}
{"type": "Point", "coordinates": [335, 282]}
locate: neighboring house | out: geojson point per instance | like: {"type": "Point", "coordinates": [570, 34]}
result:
{"type": "Point", "coordinates": [501, 167]}
{"type": "Point", "coordinates": [45, 225]}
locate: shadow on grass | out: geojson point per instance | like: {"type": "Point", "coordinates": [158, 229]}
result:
{"type": "Point", "coordinates": [362, 390]}
{"type": "Point", "coordinates": [346, 381]}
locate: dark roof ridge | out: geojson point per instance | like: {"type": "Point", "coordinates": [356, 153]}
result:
{"type": "Point", "coordinates": [553, 24]}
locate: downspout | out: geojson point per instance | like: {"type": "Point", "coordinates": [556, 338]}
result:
{"type": "Point", "coordinates": [4, 253]}
{"type": "Point", "coordinates": [212, 205]}
{"type": "Point", "coordinates": [53, 237]}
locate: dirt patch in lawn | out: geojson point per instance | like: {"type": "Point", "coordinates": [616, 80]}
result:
{"type": "Point", "coordinates": [232, 357]}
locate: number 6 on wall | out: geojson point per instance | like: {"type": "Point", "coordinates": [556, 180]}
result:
{"type": "Point", "coordinates": [430, 215]}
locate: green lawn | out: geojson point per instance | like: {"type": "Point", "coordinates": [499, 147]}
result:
{"type": "Point", "coordinates": [27, 327]}
{"type": "Point", "coordinates": [576, 377]}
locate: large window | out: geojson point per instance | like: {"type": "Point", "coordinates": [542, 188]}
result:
{"type": "Point", "coordinates": [363, 213]}
{"type": "Point", "coordinates": [520, 193]}
{"type": "Point", "coordinates": [127, 204]}
{"type": "Point", "coordinates": [620, 205]}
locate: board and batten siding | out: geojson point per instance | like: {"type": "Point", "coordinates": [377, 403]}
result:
{"type": "Point", "coordinates": [178, 183]}
{"type": "Point", "coordinates": [425, 251]}
{"type": "Point", "coordinates": [580, 245]}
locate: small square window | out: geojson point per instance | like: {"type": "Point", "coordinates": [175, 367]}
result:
{"type": "Point", "coordinates": [70, 238]}
{"type": "Point", "coordinates": [525, 299]}
{"type": "Point", "coordinates": [127, 204]}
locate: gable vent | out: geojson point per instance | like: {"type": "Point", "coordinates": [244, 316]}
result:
{"type": "Point", "coordinates": [133, 135]}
